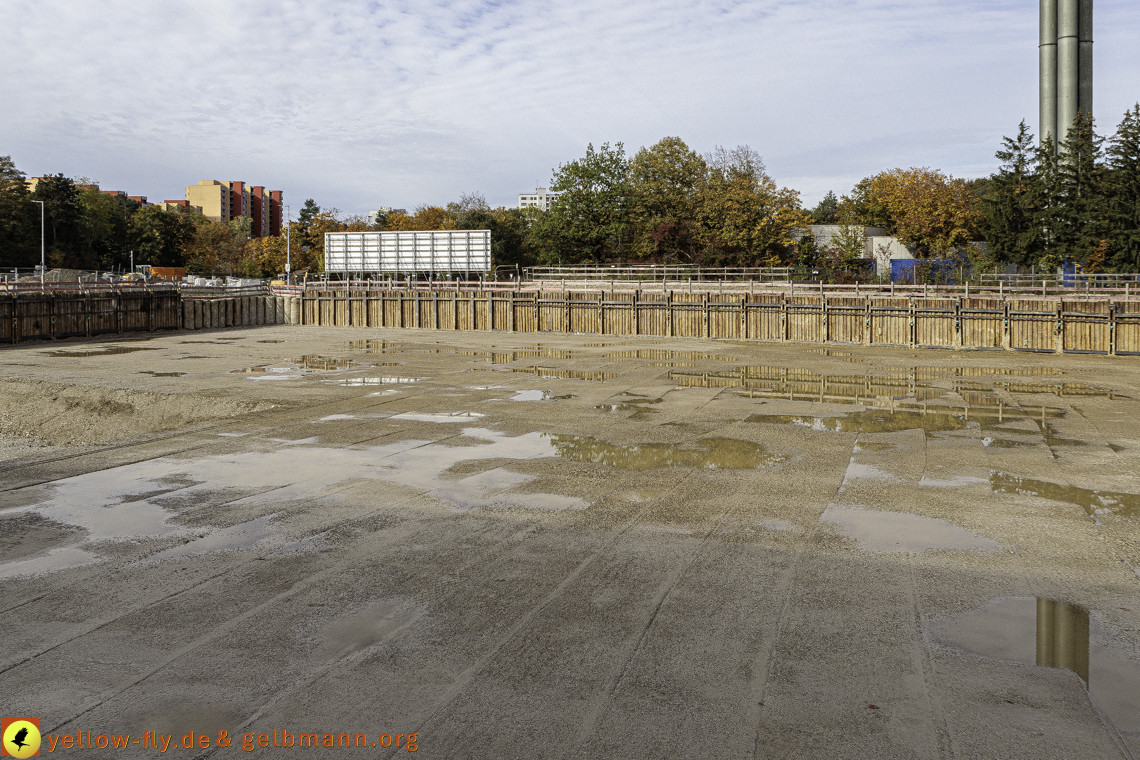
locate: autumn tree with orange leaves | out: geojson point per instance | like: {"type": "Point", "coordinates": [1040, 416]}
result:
{"type": "Point", "coordinates": [928, 211]}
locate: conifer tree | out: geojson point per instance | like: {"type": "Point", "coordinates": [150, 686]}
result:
{"type": "Point", "coordinates": [1079, 193]}
{"type": "Point", "coordinates": [1122, 191]}
{"type": "Point", "coordinates": [1013, 204]}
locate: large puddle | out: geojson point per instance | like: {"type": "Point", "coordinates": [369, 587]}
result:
{"type": "Point", "coordinates": [140, 500]}
{"type": "Point", "coordinates": [554, 373]}
{"type": "Point", "coordinates": [897, 532]}
{"type": "Point", "coordinates": [665, 355]}
{"type": "Point", "coordinates": [1091, 501]}
{"type": "Point", "coordinates": [80, 353]}
{"type": "Point", "coordinates": [1052, 634]}
{"type": "Point", "coordinates": [909, 386]}
{"type": "Point", "coordinates": [704, 453]}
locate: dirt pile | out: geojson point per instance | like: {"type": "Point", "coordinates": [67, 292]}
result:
{"type": "Point", "coordinates": [69, 415]}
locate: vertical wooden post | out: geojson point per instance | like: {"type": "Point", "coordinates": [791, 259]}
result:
{"type": "Point", "coordinates": [511, 313]}
{"type": "Point", "coordinates": [669, 314]}
{"type": "Point", "coordinates": [824, 328]}
{"type": "Point", "coordinates": [636, 316]}
{"type": "Point", "coordinates": [601, 312]}
{"type": "Point", "coordinates": [913, 327]}
{"type": "Point", "coordinates": [455, 309]}
{"type": "Point", "coordinates": [490, 310]}
{"type": "Point", "coordinates": [705, 310]}
{"type": "Point", "coordinates": [867, 313]}
{"type": "Point", "coordinates": [1059, 340]}
{"type": "Point", "coordinates": [565, 310]}
{"type": "Point", "coordinates": [400, 307]}
{"type": "Point", "coordinates": [742, 330]}
{"type": "Point", "coordinates": [783, 317]}
{"type": "Point", "coordinates": [1111, 328]}
{"type": "Point", "coordinates": [958, 324]}
{"type": "Point", "coordinates": [434, 310]}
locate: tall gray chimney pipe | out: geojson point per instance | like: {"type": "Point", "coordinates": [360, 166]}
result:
{"type": "Point", "coordinates": [1048, 50]}
{"type": "Point", "coordinates": [1068, 66]}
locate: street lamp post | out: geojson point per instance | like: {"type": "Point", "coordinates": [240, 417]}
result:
{"type": "Point", "coordinates": [43, 260]}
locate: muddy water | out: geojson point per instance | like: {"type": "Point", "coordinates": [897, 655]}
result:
{"type": "Point", "coordinates": [322, 363]}
{"type": "Point", "coordinates": [566, 374]}
{"type": "Point", "coordinates": [540, 396]}
{"type": "Point", "coordinates": [705, 453]}
{"type": "Point", "coordinates": [1052, 634]}
{"type": "Point", "coordinates": [107, 351]}
{"type": "Point", "coordinates": [1091, 501]}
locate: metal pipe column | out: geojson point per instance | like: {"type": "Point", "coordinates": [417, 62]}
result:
{"type": "Point", "coordinates": [1047, 126]}
{"type": "Point", "coordinates": [1085, 76]}
{"type": "Point", "coordinates": [1068, 66]}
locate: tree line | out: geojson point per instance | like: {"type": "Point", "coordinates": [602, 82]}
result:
{"type": "Point", "coordinates": [666, 204]}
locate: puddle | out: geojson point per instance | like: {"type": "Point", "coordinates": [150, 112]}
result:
{"type": "Point", "coordinates": [322, 363]}
{"type": "Point", "coordinates": [163, 374]}
{"type": "Point", "coordinates": [553, 373]}
{"type": "Point", "coordinates": [332, 417]}
{"type": "Point", "coordinates": [248, 370]}
{"type": "Point", "coordinates": [134, 501]}
{"type": "Point", "coordinates": [270, 341]}
{"type": "Point", "coordinates": [358, 381]}
{"type": "Point", "coordinates": [106, 351]}
{"type": "Point", "coordinates": [631, 404]}
{"type": "Point", "coordinates": [870, 421]}
{"type": "Point", "coordinates": [371, 346]}
{"type": "Point", "coordinates": [896, 532]}
{"type": "Point", "coordinates": [437, 416]}
{"type": "Point", "coordinates": [660, 354]}
{"type": "Point", "coordinates": [956, 481]}
{"type": "Point", "coordinates": [1006, 443]}
{"type": "Point", "coordinates": [1052, 634]}
{"type": "Point", "coordinates": [507, 357]}
{"type": "Point", "coordinates": [872, 446]}
{"type": "Point", "coordinates": [539, 396]}
{"type": "Point", "coordinates": [919, 384]}
{"type": "Point", "coordinates": [1091, 501]}
{"type": "Point", "coordinates": [705, 453]}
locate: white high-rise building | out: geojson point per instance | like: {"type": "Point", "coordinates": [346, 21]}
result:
{"type": "Point", "coordinates": [540, 198]}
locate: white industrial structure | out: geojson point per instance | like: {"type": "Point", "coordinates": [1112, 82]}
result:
{"type": "Point", "coordinates": [440, 251]}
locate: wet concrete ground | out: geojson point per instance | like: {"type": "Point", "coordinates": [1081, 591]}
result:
{"type": "Point", "coordinates": [553, 547]}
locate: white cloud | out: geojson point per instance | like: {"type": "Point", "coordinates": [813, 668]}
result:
{"type": "Point", "coordinates": [360, 104]}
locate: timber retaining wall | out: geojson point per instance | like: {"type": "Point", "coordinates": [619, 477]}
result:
{"type": "Point", "coordinates": [1048, 324]}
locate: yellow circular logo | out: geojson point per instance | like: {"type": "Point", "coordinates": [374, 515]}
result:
{"type": "Point", "coordinates": [21, 739]}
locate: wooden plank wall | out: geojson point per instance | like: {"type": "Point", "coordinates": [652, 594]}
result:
{"type": "Point", "coordinates": [1048, 325]}
{"type": "Point", "coordinates": [39, 316]}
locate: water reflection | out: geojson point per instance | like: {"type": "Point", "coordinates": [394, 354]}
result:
{"type": "Point", "coordinates": [1052, 634]}
{"type": "Point", "coordinates": [322, 363]}
{"type": "Point", "coordinates": [1092, 501]}
{"type": "Point", "coordinates": [105, 351]}
{"type": "Point", "coordinates": [555, 373]}
{"type": "Point", "coordinates": [705, 453]}
{"type": "Point", "coordinates": [661, 354]}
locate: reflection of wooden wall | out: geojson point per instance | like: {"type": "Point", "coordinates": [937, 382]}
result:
{"type": "Point", "coordinates": [1063, 637]}
{"type": "Point", "coordinates": [1016, 324]}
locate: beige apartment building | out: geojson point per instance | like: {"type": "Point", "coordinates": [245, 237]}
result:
{"type": "Point", "coordinates": [224, 201]}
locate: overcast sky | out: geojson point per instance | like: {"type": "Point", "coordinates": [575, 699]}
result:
{"type": "Point", "coordinates": [362, 104]}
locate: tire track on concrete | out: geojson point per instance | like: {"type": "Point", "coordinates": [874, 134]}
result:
{"type": "Point", "coordinates": [139, 608]}
{"type": "Point", "coordinates": [225, 627]}
{"type": "Point", "coordinates": [468, 675]}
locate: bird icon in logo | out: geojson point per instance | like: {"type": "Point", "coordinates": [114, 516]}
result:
{"type": "Point", "coordinates": [21, 737]}
{"type": "Point", "coordinates": [18, 739]}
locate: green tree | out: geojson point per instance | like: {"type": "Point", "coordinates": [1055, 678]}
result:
{"type": "Point", "coordinates": [64, 220]}
{"type": "Point", "coordinates": [1122, 191]}
{"type": "Point", "coordinates": [1078, 221]}
{"type": "Point", "coordinates": [106, 228]}
{"type": "Point", "coordinates": [745, 219]}
{"type": "Point", "coordinates": [590, 220]}
{"type": "Point", "coordinates": [665, 184]}
{"type": "Point", "coordinates": [164, 238]}
{"type": "Point", "coordinates": [19, 219]}
{"type": "Point", "coordinates": [1012, 204]}
{"type": "Point", "coordinates": [826, 211]}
